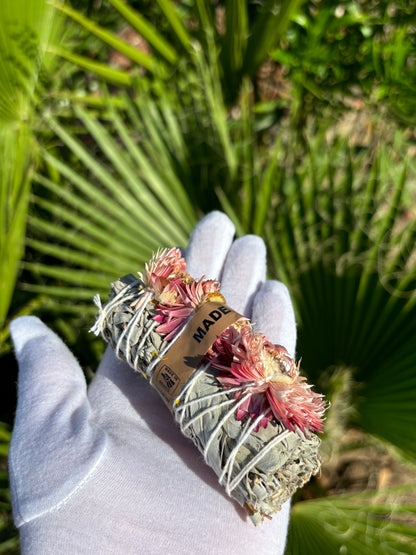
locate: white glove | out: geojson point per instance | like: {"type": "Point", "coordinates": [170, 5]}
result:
{"type": "Point", "coordinates": [106, 470]}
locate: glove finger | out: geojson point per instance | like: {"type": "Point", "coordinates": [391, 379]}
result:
{"type": "Point", "coordinates": [209, 245]}
{"type": "Point", "coordinates": [53, 446]}
{"type": "Point", "coordinates": [273, 315]}
{"type": "Point", "coordinates": [244, 272]}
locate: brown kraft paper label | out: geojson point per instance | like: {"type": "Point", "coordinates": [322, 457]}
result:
{"type": "Point", "coordinates": [183, 358]}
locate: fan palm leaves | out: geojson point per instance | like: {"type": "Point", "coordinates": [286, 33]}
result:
{"type": "Point", "coordinates": [130, 184]}
{"type": "Point", "coordinates": [113, 212]}
{"type": "Point", "coordinates": [356, 523]}
{"type": "Point", "coordinates": [244, 33]}
{"type": "Point", "coordinates": [344, 241]}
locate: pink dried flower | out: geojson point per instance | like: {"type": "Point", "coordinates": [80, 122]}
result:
{"type": "Point", "coordinates": [270, 376]}
{"type": "Point", "coordinates": [179, 299]}
{"type": "Point", "coordinates": [164, 266]}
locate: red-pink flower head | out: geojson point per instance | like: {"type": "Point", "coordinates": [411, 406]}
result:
{"type": "Point", "coordinates": [180, 298]}
{"type": "Point", "coordinates": [271, 378]}
{"type": "Point", "coordinates": [164, 266]}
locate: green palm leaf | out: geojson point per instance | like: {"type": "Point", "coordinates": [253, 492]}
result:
{"type": "Point", "coordinates": [376, 522]}
{"type": "Point", "coordinates": [337, 244]}
{"type": "Point", "coordinates": [26, 30]}
{"type": "Point", "coordinates": [14, 197]}
{"type": "Point", "coordinates": [114, 210]}
{"type": "Point", "coordinates": [251, 32]}
{"type": "Point", "coordinates": [102, 70]}
{"type": "Point", "coordinates": [112, 40]}
{"type": "Point", "coordinates": [25, 33]}
{"type": "Point", "coordinates": [147, 31]}
{"type": "Point", "coordinates": [9, 540]}
{"type": "Point", "coordinates": [268, 28]}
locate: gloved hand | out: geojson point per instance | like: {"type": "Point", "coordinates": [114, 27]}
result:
{"type": "Point", "coordinates": [106, 470]}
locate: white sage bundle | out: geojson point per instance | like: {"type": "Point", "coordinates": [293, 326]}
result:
{"type": "Point", "coordinates": [237, 396]}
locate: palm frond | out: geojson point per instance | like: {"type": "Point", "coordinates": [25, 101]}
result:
{"type": "Point", "coordinates": [340, 237]}
{"type": "Point", "coordinates": [268, 28]}
{"type": "Point", "coordinates": [25, 32]}
{"type": "Point", "coordinates": [143, 59]}
{"type": "Point", "coordinates": [102, 70]}
{"type": "Point", "coordinates": [375, 522]}
{"type": "Point", "coordinates": [153, 37]}
{"type": "Point", "coordinates": [236, 48]}
{"type": "Point", "coordinates": [115, 207]}
{"type": "Point", "coordinates": [9, 540]}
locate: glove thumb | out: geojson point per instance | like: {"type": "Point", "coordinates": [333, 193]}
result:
{"type": "Point", "coordinates": [54, 448]}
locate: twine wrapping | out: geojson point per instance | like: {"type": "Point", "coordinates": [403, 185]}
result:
{"type": "Point", "coordinates": [260, 467]}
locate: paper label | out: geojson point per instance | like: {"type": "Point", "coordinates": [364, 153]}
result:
{"type": "Point", "coordinates": [183, 358]}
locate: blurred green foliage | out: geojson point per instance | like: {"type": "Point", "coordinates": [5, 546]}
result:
{"type": "Point", "coordinates": [363, 50]}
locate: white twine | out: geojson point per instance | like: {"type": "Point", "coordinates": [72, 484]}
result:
{"type": "Point", "coordinates": [244, 471]}
{"type": "Point", "coordinates": [97, 328]}
{"type": "Point", "coordinates": [135, 363]}
{"type": "Point", "coordinates": [229, 464]}
{"type": "Point", "coordinates": [212, 395]}
{"type": "Point", "coordinates": [222, 422]}
{"type": "Point", "coordinates": [189, 384]}
{"type": "Point", "coordinates": [129, 329]}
